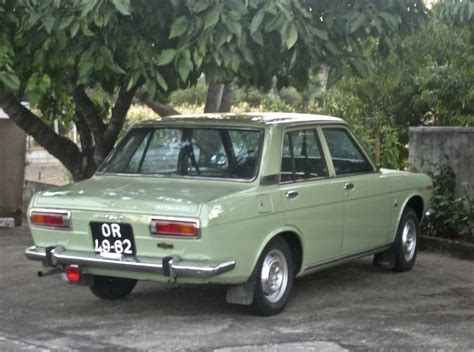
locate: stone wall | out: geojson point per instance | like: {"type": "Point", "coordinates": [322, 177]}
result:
{"type": "Point", "coordinates": [451, 145]}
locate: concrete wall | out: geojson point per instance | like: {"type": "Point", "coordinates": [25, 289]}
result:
{"type": "Point", "coordinates": [434, 143]}
{"type": "Point", "coordinates": [12, 170]}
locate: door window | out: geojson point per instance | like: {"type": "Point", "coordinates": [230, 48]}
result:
{"type": "Point", "coordinates": [302, 158]}
{"type": "Point", "coordinates": [345, 153]}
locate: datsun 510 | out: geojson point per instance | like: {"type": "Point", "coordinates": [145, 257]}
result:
{"type": "Point", "coordinates": [251, 201]}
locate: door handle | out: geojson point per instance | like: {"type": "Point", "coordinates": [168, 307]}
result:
{"type": "Point", "coordinates": [291, 194]}
{"type": "Point", "coordinates": [348, 186]}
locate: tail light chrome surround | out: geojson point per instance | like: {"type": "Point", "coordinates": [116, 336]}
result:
{"type": "Point", "coordinates": [51, 218]}
{"type": "Point", "coordinates": [175, 227]}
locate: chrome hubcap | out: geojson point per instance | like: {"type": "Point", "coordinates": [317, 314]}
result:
{"type": "Point", "coordinates": [409, 237]}
{"type": "Point", "coordinates": [274, 275]}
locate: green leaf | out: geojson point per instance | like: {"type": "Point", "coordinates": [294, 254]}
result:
{"type": "Point", "coordinates": [321, 34]}
{"type": "Point", "coordinates": [65, 22]}
{"type": "Point", "coordinates": [106, 54]}
{"type": "Point", "coordinates": [257, 21]}
{"type": "Point", "coordinates": [74, 29]}
{"type": "Point", "coordinates": [183, 70]}
{"type": "Point", "coordinates": [48, 24]}
{"type": "Point", "coordinates": [116, 68]}
{"type": "Point", "coordinates": [360, 67]}
{"type": "Point", "coordinates": [166, 57]}
{"type": "Point", "coordinates": [332, 48]}
{"type": "Point", "coordinates": [258, 37]}
{"type": "Point", "coordinates": [211, 18]}
{"type": "Point", "coordinates": [161, 81]}
{"type": "Point", "coordinates": [234, 27]}
{"type": "Point", "coordinates": [355, 23]}
{"type": "Point", "coordinates": [122, 6]}
{"type": "Point", "coordinates": [292, 36]}
{"type": "Point", "coordinates": [235, 62]}
{"type": "Point", "coordinates": [10, 80]}
{"type": "Point", "coordinates": [178, 27]}
{"type": "Point", "coordinates": [248, 56]}
{"type": "Point", "coordinates": [390, 19]}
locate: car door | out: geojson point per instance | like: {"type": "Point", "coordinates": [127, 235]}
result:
{"type": "Point", "coordinates": [367, 204]}
{"type": "Point", "coordinates": [313, 202]}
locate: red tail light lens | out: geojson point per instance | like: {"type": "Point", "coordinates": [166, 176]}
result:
{"type": "Point", "coordinates": [50, 219]}
{"type": "Point", "coordinates": [73, 274]}
{"type": "Point", "coordinates": [179, 228]}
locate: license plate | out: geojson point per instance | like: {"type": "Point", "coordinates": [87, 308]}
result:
{"type": "Point", "coordinates": [113, 238]}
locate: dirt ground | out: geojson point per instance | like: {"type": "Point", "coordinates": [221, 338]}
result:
{"type": "Point", "coordinates": [354, 307]}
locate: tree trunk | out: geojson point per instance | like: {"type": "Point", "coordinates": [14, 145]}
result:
{"type": "Point", "coordinates": [214, 97]}
{"type": "Point", "coordinates": [60, 147]}
{"type": "Point", "coordinates": [228, 97]}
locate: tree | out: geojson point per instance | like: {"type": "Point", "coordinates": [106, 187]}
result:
{"type": "Point", "coordinates": [85, 61]}
{"type": "Point", "coordinates": [425, 78]}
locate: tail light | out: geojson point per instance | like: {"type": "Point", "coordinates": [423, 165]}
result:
{"type": "Point", "coordinates": [186, 228]}
{"type": "Point", "coordinates": [59, 219]}
{"type": "Point", "coordinates": [73, 273]}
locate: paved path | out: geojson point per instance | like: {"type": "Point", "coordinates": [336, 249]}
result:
{"type": "Point", "coordinates": [354, 307]}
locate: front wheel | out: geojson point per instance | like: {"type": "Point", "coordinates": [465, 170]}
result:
{"type": "Point", "coordinates": [274, 276]}
{"type": "Point", "coordinates": [406, 242]}
{"type": "Point", "coordinates": [112, 287]}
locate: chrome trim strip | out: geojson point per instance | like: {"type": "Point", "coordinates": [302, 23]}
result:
{"type": "Point", "coordinates": [178, 268]}
{"type": "Point", "coordinates": [347, 257]}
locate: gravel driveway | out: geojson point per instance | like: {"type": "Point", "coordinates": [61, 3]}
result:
{"type": "Point", "coordinates": [352, 307]}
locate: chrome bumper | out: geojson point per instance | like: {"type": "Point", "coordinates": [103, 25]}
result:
{"type": "Point", "coordinates": [168, 266]}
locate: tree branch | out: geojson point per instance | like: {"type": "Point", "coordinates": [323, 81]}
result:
{"type": "Point", "coordinates": [89, 112]}
{"type": "Point", "coordinates": [119, 113]}
{"type": "Point", "coordinates": [60, 147]}
{"type": "Point", "coordinates": [161, 109]}
{"type": "Point", "coordinates": [87, 144]}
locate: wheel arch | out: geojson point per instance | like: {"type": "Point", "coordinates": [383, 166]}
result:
{"type": "Point", "coordinates": [295, 241]}
{"type": "Point", "coordinates": [417, 204]}
{"type": "Point", "coordinates": [414, 201]}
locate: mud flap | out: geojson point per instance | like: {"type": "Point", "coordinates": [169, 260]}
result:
{"type": "Point", "coordinates": [241, 294]}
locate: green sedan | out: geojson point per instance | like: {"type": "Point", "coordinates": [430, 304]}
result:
{"type": "Point", "coordinates": [251, 201]}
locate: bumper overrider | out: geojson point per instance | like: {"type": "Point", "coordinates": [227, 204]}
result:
{"type": "Point", "coordinates": [168, 266]}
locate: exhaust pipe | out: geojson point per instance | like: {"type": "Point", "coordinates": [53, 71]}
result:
{"type": "Point", "coordinates": [47, 272]}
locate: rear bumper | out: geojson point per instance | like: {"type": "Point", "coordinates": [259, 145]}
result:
{"type": "Point", "coordinates": [168, 266]}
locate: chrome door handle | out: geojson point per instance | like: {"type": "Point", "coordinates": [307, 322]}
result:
{"type": "Point", "coordinates": [291, 194]}
{"type": "Point", "coordinates": [348, 186]}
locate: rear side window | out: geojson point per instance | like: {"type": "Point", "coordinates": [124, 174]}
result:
{"type": "Point", "coordinates": [302, 158]}
{"type": "Point", "coordinates": [345, 153]}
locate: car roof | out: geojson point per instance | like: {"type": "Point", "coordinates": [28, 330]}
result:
{"type": "Point", "coordinates": [253, 119]}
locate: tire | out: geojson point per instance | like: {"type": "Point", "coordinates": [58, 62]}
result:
{"type": "Point", "coordinates": [106, 287]}
{"type": "Point", "coordinates": [406, 243]}
{"type": "Point", "coordinates": [273, 276]}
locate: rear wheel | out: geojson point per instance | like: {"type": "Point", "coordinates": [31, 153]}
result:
{"type": "Point", "coordinates": [106, 287]}
{"type": "Point", "coordinates": [274, 276]}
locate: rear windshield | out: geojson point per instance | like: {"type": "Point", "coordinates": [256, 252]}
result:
{"type": "Point", "coordinates": [199, 152]}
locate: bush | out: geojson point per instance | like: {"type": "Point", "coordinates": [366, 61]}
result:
{"type": "Point", "coordinates": [195, 95]}
{"type": "Point", "coordinates": [452, 217]}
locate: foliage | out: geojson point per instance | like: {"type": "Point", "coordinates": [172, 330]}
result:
{"type": "Point", "coordinates": [452, 217]}
{"type": "Point", "coordinates": [65, 56]}
{"type": "Point", "coordinates": [194, 95]}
